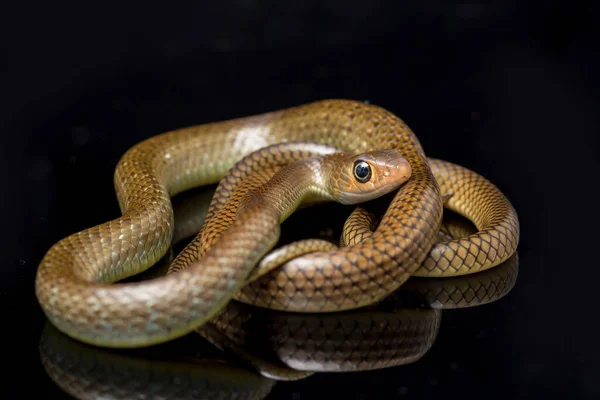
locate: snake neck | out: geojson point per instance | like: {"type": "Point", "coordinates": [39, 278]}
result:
{"type": "Point", "coordinates": [289, 187]}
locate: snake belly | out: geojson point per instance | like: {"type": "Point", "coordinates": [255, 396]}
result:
{"type": "Point", "coordinates": [75, 280]}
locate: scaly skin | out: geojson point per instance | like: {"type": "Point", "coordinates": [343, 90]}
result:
{"type": "Point", "coordinates": [453, 255]}
{"type": "Point", "coordinates": [74, 284]}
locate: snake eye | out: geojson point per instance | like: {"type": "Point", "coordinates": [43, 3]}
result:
{"type": "Point", "coordinates": [362, 171]}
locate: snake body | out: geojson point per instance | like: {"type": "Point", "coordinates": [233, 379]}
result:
{"type": "Point", "coordinates": [74, 283]}
{"type": "Point", "coordinates": [270, 342]}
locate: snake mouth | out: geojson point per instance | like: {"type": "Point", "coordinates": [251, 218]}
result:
{"type": "Point", "coordinates": [357, 198]}
{"type": "Point", "coordinates": [349, 198]}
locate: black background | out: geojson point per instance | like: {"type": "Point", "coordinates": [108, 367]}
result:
{"type": "Point", "coordinates": [508, 90]}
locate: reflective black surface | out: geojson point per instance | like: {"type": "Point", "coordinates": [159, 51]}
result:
{"type": "Point", "coordinates": [506, 90]}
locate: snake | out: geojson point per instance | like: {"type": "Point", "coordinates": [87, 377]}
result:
{"type": "Point", "coordinates": [77, 280]}
{"type": "Point", "coordinates": [296, 346]}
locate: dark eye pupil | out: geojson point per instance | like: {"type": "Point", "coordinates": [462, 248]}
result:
{"type": "Point", "coordinates": [362, 170]}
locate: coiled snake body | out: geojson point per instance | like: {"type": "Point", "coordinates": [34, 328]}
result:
{"type": "Point", "coordinates": [74, 283]}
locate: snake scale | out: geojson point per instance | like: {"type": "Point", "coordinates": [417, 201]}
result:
{"type": "Point", "coordinates": [75, 283]}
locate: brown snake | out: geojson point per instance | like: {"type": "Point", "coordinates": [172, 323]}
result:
{"type": "Point", "coordinates": [74, 284]}
{"type": "Point", "coordinates": [279, 346]}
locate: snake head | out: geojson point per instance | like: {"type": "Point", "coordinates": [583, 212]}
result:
{"type": "Point", "coordinates": [358, 178]}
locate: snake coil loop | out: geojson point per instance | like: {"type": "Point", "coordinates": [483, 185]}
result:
{"type": "Point", "coordinates": [75, 282]}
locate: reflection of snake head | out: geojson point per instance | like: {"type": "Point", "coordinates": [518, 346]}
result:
{"type": "Point", "coordinates": [358, 178]}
